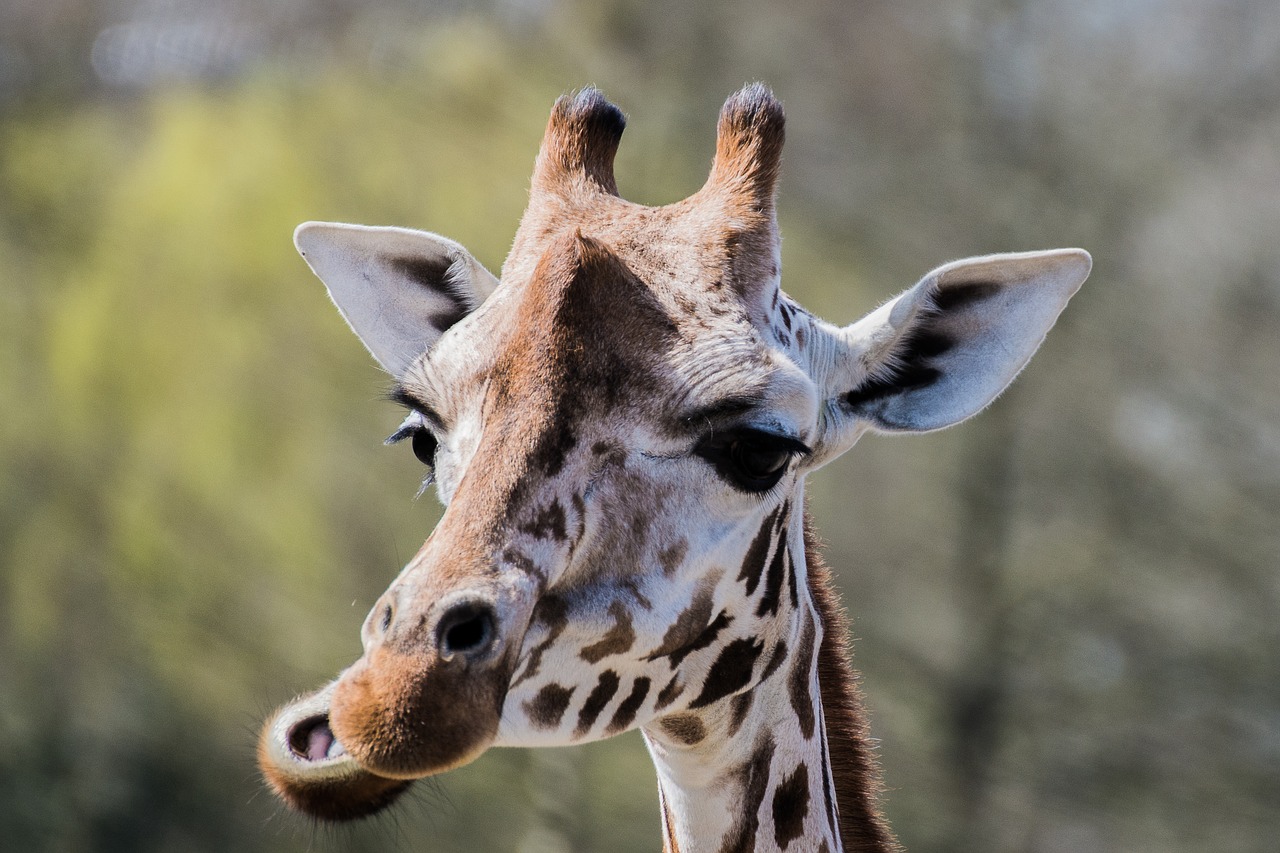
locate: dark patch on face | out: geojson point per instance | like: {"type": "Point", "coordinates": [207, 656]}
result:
{"type": "Point", "coordinates": [521, 562]}
{"type": "Point", "coordinates": [773, 579]}
{"type": "Point", "coordinates": [691, 631]}
{"type": "Point", "coordinates": [632, 586]}
{"type": "Point", "coordinates": [691, 622]}
{"type": "Point", "coordinates": [703, 640]}
{"type": "Point", "coordinates": [552, 448]}
{"type": "Point", "coordinates": [757, 553]}
{"type": "Point", "coordinates": [551, 611]}
{"type": "Point", "coordinates": [547, 708]}
{"type": "Point", "coordinates": [784, 311]}
{"type": "Point", "coordinates": [753, 777]}
{"type": "Point", "coordinates": [738, 707]}
{"type": "Point", "coordinates": [626, 713]}
{"type": "Point", "coordinates": [548, 521]}
{"type": "Point", "coordinates": [599, 697]}
{"type": "Point", "coordinates": [801, 701]}
{"type": "Point", "coordinates": [731, 672]}
{"type": "Point", "coordinates": [579, 507]}
{"type": "Point", "coordinates": [802, 337]}
{"type": "Point", "coordinates": [640, 524]}
{"type": "Point", "coordinates": [671, 557]}
{"type": "Point", "coordinates": [964, 295]}
{"type": "Point", "coordinates": [618, 639]}
{"type": "Point", "coordinates": [688, 729]}
{"type": "Point", "coordinates": [670, 693]}
{"type": "Point", "coordinates": [790, 805]}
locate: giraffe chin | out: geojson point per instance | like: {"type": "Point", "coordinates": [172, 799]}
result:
{"type": "Point", "coordinates": [310, 769]}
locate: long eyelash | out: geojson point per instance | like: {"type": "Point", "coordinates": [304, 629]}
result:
{"type": "Point", "coordinates": [774, 441]}
{"type": "Point", "coordinates": [402, 433]}
{"type": "Point", "coordinates": [427, 483]}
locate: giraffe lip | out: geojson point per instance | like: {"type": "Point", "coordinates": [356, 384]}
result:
{"type": "Point", "coordinates": [299, 740]}
{"type": "Point", "coordinates": [312, 740]}
{"type": "Point", "coordinates": [311, 770]}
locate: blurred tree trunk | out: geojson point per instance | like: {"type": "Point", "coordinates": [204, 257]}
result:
{"type": "Point", "coordinates": [978, 696]}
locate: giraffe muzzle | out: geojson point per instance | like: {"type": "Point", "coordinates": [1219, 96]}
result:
{"type": "Point", "coordinates": [309, 768]}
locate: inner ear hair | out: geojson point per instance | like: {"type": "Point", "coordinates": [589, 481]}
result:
{"type": "Point", "coordinates": [445, 277]}
{"type": "Point", "coordinates": [908, 363]}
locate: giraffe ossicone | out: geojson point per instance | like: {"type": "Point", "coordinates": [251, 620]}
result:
{"type": "Point", "coordinates": [620, 428]}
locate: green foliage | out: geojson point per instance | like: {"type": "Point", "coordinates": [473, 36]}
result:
{"type": "Point", "coordinates": [191, 530]}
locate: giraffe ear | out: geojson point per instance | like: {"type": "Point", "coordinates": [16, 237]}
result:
{"type": "Point", "coordinates": [398, 289]}
{"type": "Point", "coordinates": [947, 347]}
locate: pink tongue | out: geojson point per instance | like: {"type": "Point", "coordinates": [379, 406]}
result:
{"type": "Point", "coordinates": [319, 742]}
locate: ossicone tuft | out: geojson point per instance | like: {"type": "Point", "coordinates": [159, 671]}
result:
{"type": "Point", "coordinates": [749, 141]}
{"type": "Point", "coordinates": [581, 140]}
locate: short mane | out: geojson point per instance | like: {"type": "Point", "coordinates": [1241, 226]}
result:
{"type": "Point", "coordinates": [856, 773]}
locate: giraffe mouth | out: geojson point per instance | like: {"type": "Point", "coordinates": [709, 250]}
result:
{"type": "Point", "coordinates": [311, 770]}
{"type": "Point", "coordinates": [313, 740]}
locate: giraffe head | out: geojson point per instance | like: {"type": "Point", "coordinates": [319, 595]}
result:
{"type": "Point", "coordinates": [620, 429]}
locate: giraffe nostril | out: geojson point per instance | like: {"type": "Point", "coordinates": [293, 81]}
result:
{"type": "Point", "coordinates": [385, 622]}
{"type": "Point", "coordinates": [466, 629]}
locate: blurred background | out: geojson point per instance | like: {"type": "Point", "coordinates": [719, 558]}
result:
{"type": "Point", "coordinates": [1067, 610]}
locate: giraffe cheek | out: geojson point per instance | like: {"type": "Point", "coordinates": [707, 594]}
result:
{"type": "Point", "coordinates": [404, 716]}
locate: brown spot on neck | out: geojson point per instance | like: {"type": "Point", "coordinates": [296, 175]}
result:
{"type": "Point", "coordinates": [798, 682]}
{"type": "Point", "coordinates": [731, 671]}
{"type": "Point", "coordinates": [753, 778]}
{"type": "Point", "coordinates": [791, 806]}
{"type": "Point", "coordinates": [688, 729]}
{"type": "Point", "coordinates": [670, 693]}
{"type": "Point", "coordinates": [626, 713]}
{"type": "Point", "coordinates": [596, 701]}
{"type": "Point", "coordinates": [546, 709]}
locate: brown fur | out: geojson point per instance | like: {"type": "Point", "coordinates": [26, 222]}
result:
{"type": "Point", "coordinates": [749, 141]}
{"type": "Point", "coordinates": [855, 773]}
{"type": "Point", "coordinates": [581, 141]}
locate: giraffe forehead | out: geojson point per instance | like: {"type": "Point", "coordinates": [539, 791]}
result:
{"type": "Point", "coordinates": [646, 325]}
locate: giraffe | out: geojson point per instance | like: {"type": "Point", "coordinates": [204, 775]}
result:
{"type": "Point", "coordinates": [620, 428]}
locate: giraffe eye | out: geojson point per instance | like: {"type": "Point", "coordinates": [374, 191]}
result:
{"type": "Point", "coordinates": [424, 446]}
{"type": "Point", "coordinates": [755, 462]}
{"type": "Point", "coordinates": [421, 439]}
{"type": "Point", "coordinates": [749, 459]}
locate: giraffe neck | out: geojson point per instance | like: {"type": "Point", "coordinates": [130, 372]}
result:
{"type": "Point", "coordinates": [786, 764]}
